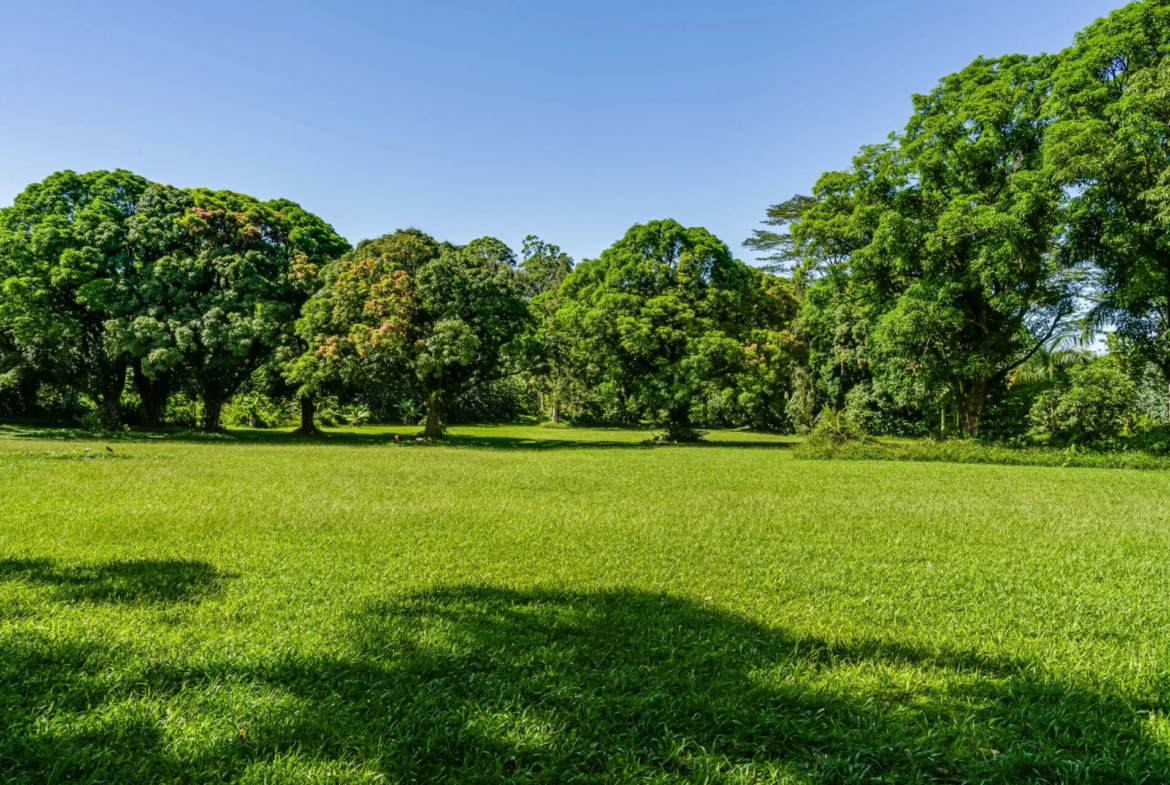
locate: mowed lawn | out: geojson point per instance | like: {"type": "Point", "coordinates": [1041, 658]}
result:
{"type": "Point", "coordinates": [560, 606]}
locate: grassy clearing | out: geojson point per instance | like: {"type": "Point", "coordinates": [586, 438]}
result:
{"type": "Point", "coordinates": [545, 605]}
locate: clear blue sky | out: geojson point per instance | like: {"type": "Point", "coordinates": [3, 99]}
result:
{"type": "Point", "coordinates": [568, 120]}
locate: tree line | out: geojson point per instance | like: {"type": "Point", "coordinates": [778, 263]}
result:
{"type": "Point", "coordinates": [931, 287]}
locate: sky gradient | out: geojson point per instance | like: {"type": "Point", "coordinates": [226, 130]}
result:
{"type": "Point", "coordinates": [567, 120]}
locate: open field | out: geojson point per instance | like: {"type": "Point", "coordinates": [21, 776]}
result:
{"type": "Point", "coordinates": [538, 605]}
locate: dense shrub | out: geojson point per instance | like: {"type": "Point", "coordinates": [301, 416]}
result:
{"type": "Point", "coordinates": [836, 429]}
{"type": "Point", "coordinates": [501, 400]}
{"type": "Point", "coordinates": [332, 412]}
{"type": "Point", "coordinates": [972, 451]}
{"type": "Point", "coordinates": [254, 410]}
{"type": "Point", "coordinates": [1095, 407]}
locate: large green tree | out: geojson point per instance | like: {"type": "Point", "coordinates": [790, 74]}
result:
{"type": "Point", "coordinates": [949, 238]}
{"type": "Point", "coordinates": [404, 304]}
{"type": "Point", "coordinates": [223, 278]}
{"type": "Point", "coordinates": [1109, 142]}
{"type": "Point", "coordinates": [66, 266]}
{"type": "Point", "coordinates": [664, 320]}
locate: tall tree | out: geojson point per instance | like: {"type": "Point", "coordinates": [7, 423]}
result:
{"type": "Point", "coordinates": [949, 236]}
{"type": "Point", "coordinates": [1109, 142]}
{"type": "Point", "coordinates": [65, 257]}
{"type": "Point", "coordinates": [549, 353]}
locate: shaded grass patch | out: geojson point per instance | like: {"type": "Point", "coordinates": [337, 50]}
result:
{"type": "Point", "coordinates": [482, 684]}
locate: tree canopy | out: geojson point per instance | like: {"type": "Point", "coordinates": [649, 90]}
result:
{"type": "Point", "coordinates": [930, 286]}
{"type": "Point", "coordinates": [66, 268]}
{"type": "Point", "coordinates": [449, 317]}
{"type": "Point", "coordinates": [1109, 144]}
{"type": "Point", "coordinates": [665, 319]}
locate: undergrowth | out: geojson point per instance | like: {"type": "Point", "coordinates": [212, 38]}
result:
{"type": "Point", "coordinates": [968, 451]}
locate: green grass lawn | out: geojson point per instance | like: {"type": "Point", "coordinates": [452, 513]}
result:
{"type": "Point", "coordinates": [535, 605]}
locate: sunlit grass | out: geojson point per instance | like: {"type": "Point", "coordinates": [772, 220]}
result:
{"type": "Point", "coordinates": [556, 605]}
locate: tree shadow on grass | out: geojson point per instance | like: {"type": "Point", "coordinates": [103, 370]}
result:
{"type": "Point", "coordinates": [473, 684]}
{"type": "Point", "coordinates": [375, 438]}
{"type": "Point", "coordinates": [520, 443]}
{"type": "Point", "coordinates": [136, 581]}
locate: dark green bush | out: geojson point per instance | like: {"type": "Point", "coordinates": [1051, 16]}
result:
{"type": "Point", "coordinates": [1096, 407]}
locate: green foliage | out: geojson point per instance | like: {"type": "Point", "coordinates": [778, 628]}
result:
{"type": "Point", "coordinates": [506, 400]}
{"type": "Point", "coordinates": [256, 410]}
{"type": "Point", "coordinates": [183, 410]}
{"type": "Point", "coordinates": [937, 247]}
{"type": "Point", "coordinates": [670, 326]}
{"type": "Point", "coordinates": [66, 269]}
{"type": "Point", "coordinates": [226, 278]}
{"type": "Point", "coordinates": [543, 266]}
{"type": "Point", "coordinates": [404, 305]}
{"type": "Point", "coordinates": [551, 356]}
{"type": "Point", "coordinates": [835, 429]}
{"type": "Point", "coordinates": [1095, 407]}
{"type": "Point", "coordinates": [1141, 455]}
{"type": "Point", "coordinates": [331, 412]}
{"type": "Point", "coordinates": [1110, 130]}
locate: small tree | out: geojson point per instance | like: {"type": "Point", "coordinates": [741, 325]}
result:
{"type": "Point", "coordinates": [543, 266]}
{"type": "Point", "coordinates": [1095, 405]}
{"type": "Point", "coordinates": [548, 352]}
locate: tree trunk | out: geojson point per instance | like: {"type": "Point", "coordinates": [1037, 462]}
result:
{"type": "Point", "coordinates": [434, 407]}
{"type": "Point", "coordinates": [679, 427]}
{"type": "Point", "coordinates": [110, 399]}
{"type": "Point", "coordinates": [111, 412]}
{"type": "Point", "coordinates": [153, 394]}
{"type": "Point", "coordinates": [27, 389]}
{"type": "Point", "coordinates": [212, 407]}
{"type": "Point", "coordinates": [308, 413]}
{"type": "Point", "coordinates": [552, 414]}
{"type": "Point", "coordinates": [972, 398]}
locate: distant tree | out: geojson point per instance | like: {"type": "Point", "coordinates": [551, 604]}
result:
{"type": "Point", "coordinates": [356, 325]}
{"type": "Point", "coordinates": [663, 317]}
{"type": "Point", "coordinates": [1051, 363]}
{"type": "Point", "coordinates": [762, 387]}
{"type": "Point", "coordinates": [548, 352]}
{"type": "Point", "coordinates": [944, 242]}
{"type": "Point", "coordinates": [780, 249]}
{"type": "Point", "coordinates": [543, 266]}
{"type": "Point", "coordinates": [65, 258]}
{"type": "Point", "coordinates": [1109, 143]}
{"type": "Point", "coordinates": [448, 316]}
{"type": "Point", "coordinates": [224, 278]}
